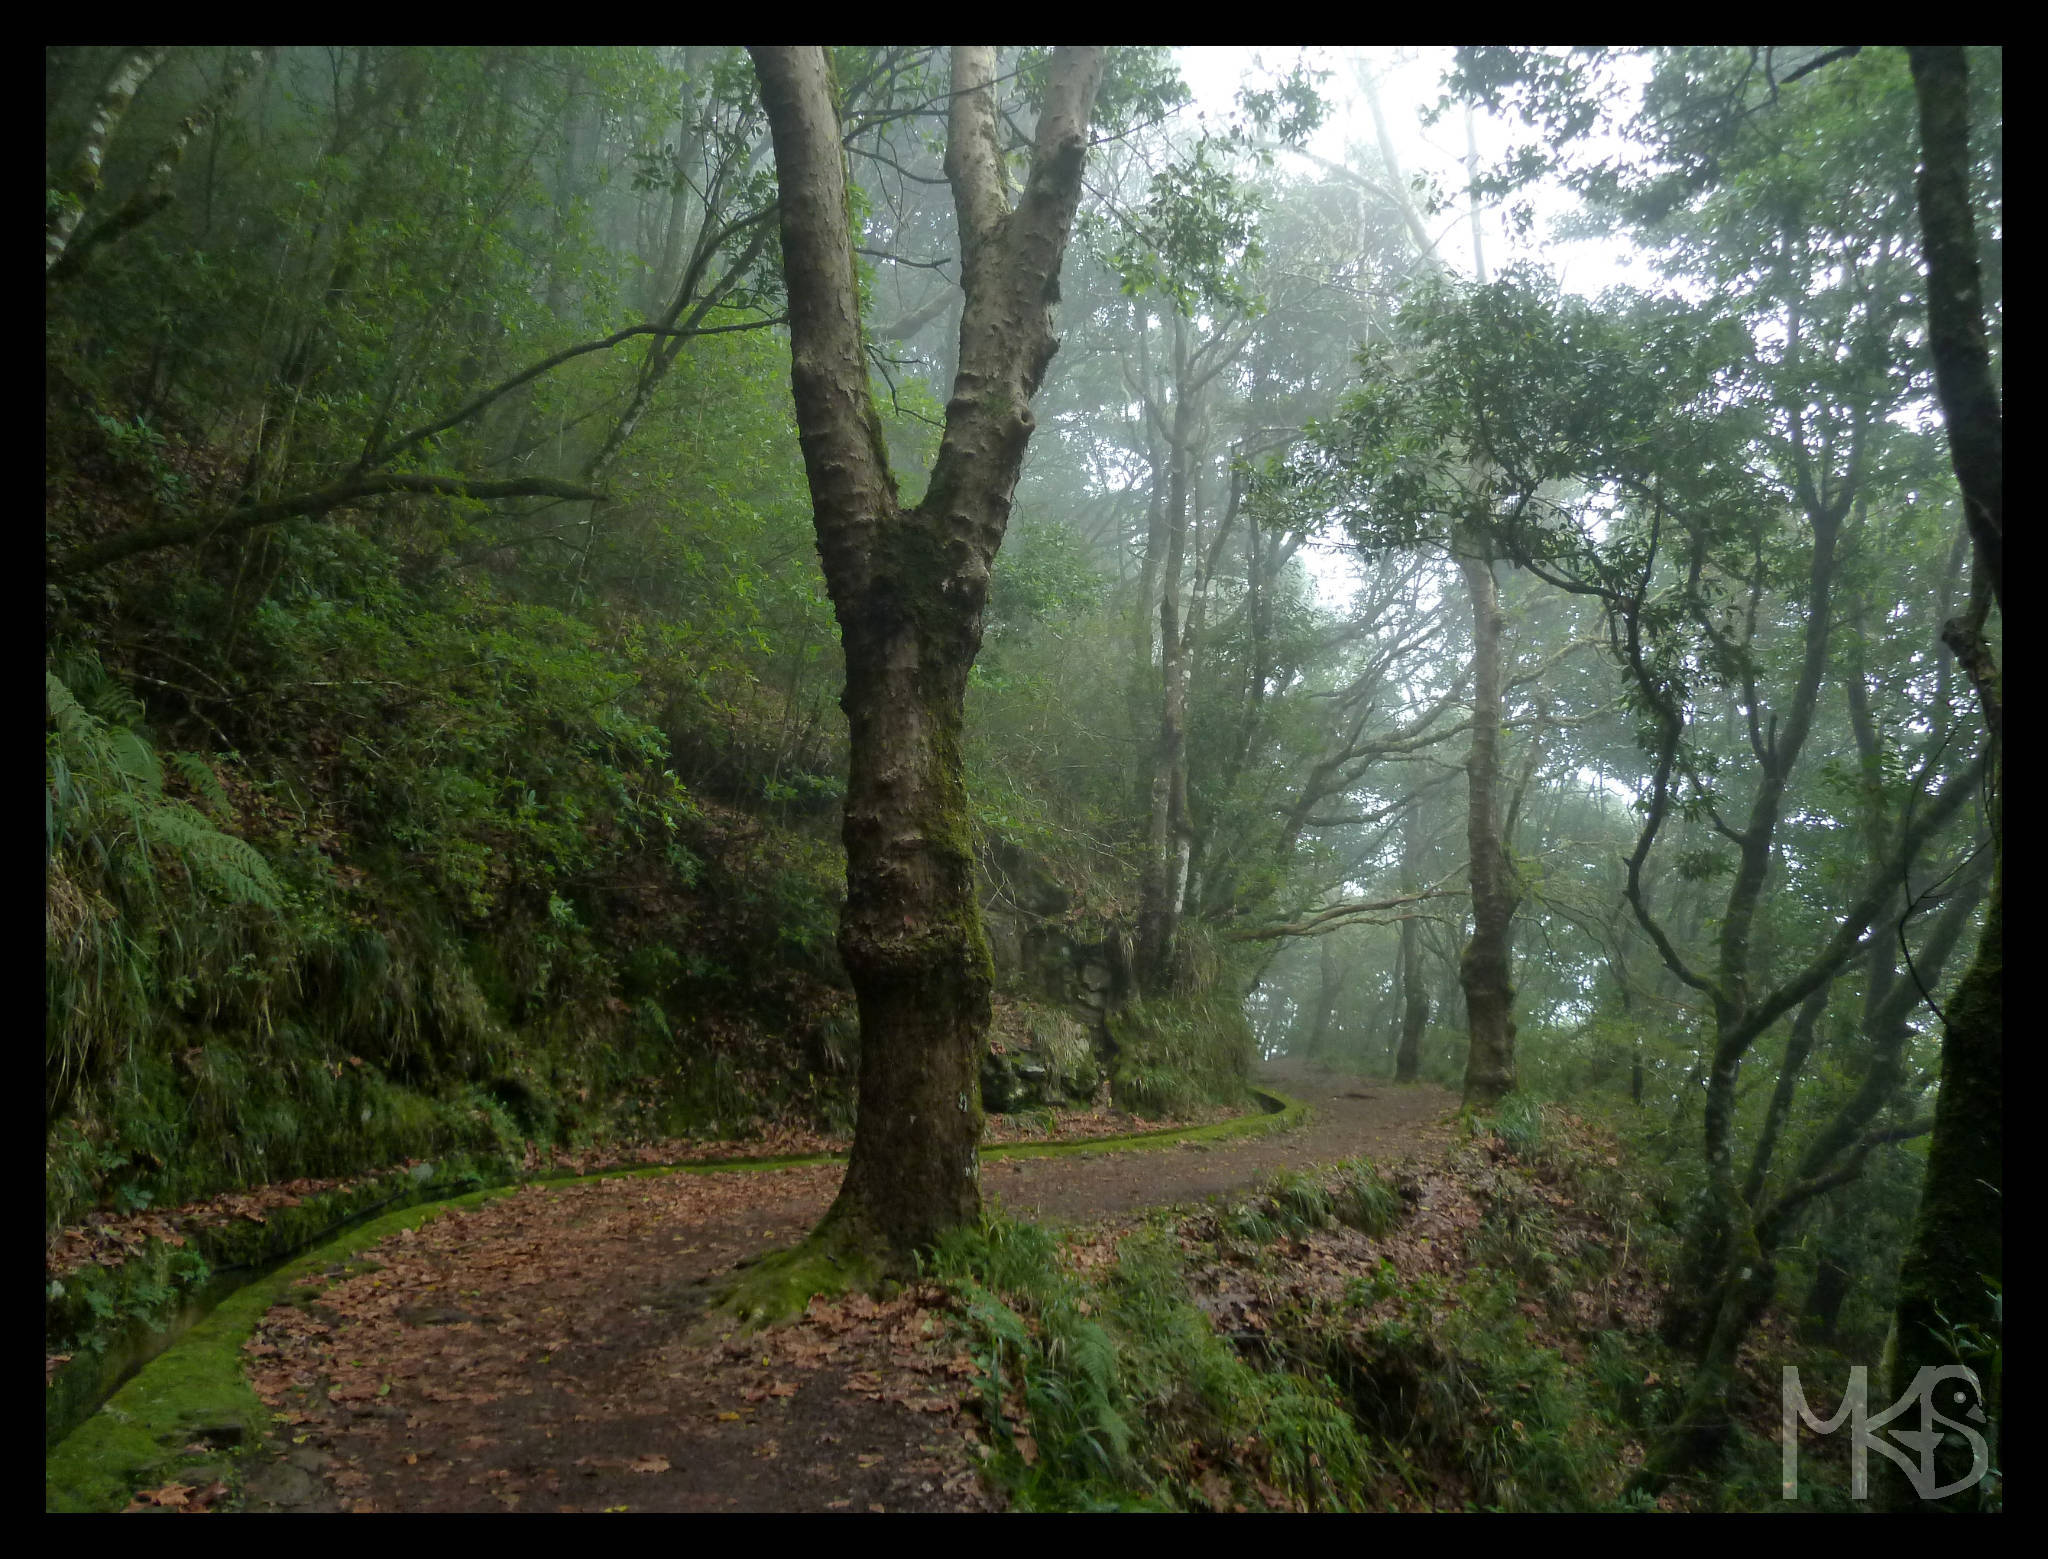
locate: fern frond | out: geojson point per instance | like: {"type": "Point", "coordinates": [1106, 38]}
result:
{"type": "Point", "coordinates": [199, 774]}
{"type": "Point", "coordinates": [232, 866]}
{"type": "Point", "coordinates": [136, 761]}
{"type": "Point", "coordinates": [74, 726]}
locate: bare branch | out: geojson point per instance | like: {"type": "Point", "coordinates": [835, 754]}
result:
{"type": "Point", "coordinates": [1335, 916]}
{"type": "Point", "coordinates": [399, 446]}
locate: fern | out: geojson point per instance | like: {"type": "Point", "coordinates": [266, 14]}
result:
{"type": "Point", "coordinates": [199, 775]}
{"type": "Point", "coordinates": [124, 860]}
{"type": "Point", "coordinates": [97, 772]}
{"type": "Point", "coordinates": [232, 866]}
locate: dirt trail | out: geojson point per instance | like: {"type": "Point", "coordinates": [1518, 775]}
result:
{"type": "Point", "coordinates": [533, 1353]}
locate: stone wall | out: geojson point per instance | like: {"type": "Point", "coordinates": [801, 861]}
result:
{"type": "Point", "coordinates": [1058, 979]}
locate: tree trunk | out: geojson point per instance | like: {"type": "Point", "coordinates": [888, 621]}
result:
{"type": "Point", "coordinates": [81, 182]}
{"type": "Point", "coordinates": [1952, 1274]}
{"type": "Point", "coordinates": [1414, 995]}
{"type": "Point", "coordinates": [1484, 970]}
{"type": "Point", "coordinates": [1956, 337]}
{"type": "Point", "coordinates": [1950, 1280]}
{"type": "Point", "coordinates": [909, 586]}
{"type": "Point", "coordinates": [1163, 888]}
{"type": "Point", "coordinates": [1822, 1313]}
{"type": "Point", "coordinates": [1328, 989]}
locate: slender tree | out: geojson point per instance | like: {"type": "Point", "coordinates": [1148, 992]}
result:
{"type": "Point", "coordinates": [1414, 992]}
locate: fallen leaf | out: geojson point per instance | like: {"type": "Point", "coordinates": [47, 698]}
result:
{"type": "Point", "coordinates": [648, 1464]}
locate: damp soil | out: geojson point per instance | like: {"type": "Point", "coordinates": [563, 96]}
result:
{"type": "Point", "coordinates": [544, 1351]}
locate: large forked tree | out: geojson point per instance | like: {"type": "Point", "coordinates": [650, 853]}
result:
{"type": "Point", "coordinates": [908, 584]}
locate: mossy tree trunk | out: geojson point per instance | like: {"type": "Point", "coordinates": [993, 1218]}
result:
{"type": "Point", "coordinates": [1953, 1270]}
{"type": "Point", "coordinates": [1947, 1312]}
{"type": "Point", "coordinates": [909, 586]}
{"type": "Point", "coordinates": [1485, 968]}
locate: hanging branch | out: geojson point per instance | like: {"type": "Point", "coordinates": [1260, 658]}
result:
{"type": "Point", "coordinates": [233, 522]}
{"type": "Point", "coordinates": [1336, 916]}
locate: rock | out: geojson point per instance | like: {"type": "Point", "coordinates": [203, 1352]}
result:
{"type": "Point", "coordinates": [1005, 941]}
{"type": "Point", "coordinates": [998, 1085]}
{"type": "Point", "coordinates": [1039, 1056]}
{"type": "Point", "coordinates": [281, 1486]}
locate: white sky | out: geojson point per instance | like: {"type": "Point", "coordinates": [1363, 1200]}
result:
{"type": "Point", "coordinates": [1410, 80]}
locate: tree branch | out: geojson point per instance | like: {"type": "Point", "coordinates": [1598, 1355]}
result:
{"type": "Point", "coordinates": [233, 522]}
{"type": "Point", "coordinates": [1336, 916]}
{"type": "Point", "coordinates": [389, 452]}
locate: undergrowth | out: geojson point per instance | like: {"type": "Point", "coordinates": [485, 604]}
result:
{"type": "Point", "coordinates": [1176, 1054]}
{"type": "Point", "coordinates": [1114, 1392]}
{"type": "Point", "coordinates": [1358, 1371]}
{"type": "Point", "coordinates": [234, 996]}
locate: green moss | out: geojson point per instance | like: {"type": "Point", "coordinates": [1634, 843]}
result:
{"type": "Point", "coordinates": [196, 1393]}
{"type": "Point", "coordinates": [196, 1390]}
{"type": "Point", "coordinates": [108, 1317]}
{"type": "Point", "coordinates": [835, 1258]}
{"type": "Point", "coordinates": [1279, 1114]}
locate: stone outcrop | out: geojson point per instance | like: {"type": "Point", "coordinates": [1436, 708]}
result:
{"type": "Point", "coordinates": [1057, 981]}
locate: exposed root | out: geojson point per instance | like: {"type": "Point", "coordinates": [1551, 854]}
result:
{"type": "Point", "coordinates": [837, 1257]}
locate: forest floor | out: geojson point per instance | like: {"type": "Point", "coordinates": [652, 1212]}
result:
{"type": "Point", "coordinates": [543, 1350]}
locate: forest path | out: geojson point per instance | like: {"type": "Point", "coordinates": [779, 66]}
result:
{"type": "Point", "coordinates": [534, 1352]}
